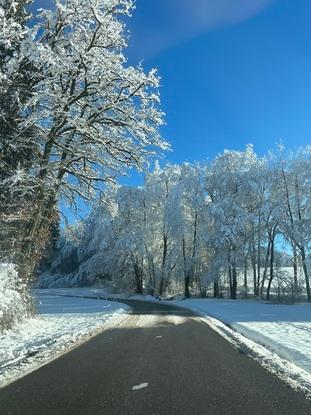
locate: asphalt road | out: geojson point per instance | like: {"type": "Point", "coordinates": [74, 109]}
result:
{"type": "Point", "coordinates": [158, 361]}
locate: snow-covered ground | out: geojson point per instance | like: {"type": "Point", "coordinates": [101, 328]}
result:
{"type": "Point", "coordinates": [278, 336]}
{"type": "Point", "coordinates": [63, 322]}
{"type": "Point", "coordinates": [13, 304]}
{"type": "Point", "coordinates": [82, 292]}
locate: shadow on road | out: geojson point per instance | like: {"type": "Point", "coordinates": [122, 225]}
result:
{"type": "Point", "coordinates": [145, 308]}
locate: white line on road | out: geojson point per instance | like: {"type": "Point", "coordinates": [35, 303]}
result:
{"type": "Point", "coordinates": [140, 386]}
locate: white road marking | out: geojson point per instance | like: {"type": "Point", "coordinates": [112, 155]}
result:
{"type": "Point", "coordinates": [140, 386]}
{"type": "Point", "coordinates": [158, 337]}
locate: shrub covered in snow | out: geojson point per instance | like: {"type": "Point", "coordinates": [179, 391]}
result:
{"type": "Point", "coordinates": [15, 301]}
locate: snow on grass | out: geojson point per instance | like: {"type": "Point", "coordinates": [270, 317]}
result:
{"type": "Point", "coordinates": [82, 292]}
{"type": "Point", "coordinates": [277, 336]}
{"type": "Point", "coordinates": [86, 292]}
{"type": "Point", "coordinates": [62, 323]}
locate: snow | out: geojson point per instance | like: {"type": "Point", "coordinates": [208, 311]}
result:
{"type": "Point", "coordinates": [277, 336]}
{"type": "Point", "coordinates": [13, 305]}
{"type": "Point", "coordinates": [82, 292]}
{"type": "Point", "coordinates": [63, 323]}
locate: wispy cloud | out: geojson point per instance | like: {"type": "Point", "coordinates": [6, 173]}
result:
{"type": "Point", "coordinates": [161, 24]}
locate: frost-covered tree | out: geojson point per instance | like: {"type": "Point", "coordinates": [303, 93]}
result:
{"type": "Point", "coordinates": [187, 219]}
{"type": "Point", "coordinates": [205, 229]}
{"type": "Point", "coordinates": [227, 187]}
{"type": "Point", "coordinates": [124, 260]}
{"type": "Point", "coordinates": [160, 189]}
{"type": "Point", "coordinates": [17, 145]}
{"type": "Point", "coordinates": [94, 115]}
{"type": "Point", "coordinates": [295, 179]}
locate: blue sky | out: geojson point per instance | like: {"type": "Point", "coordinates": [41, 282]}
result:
{"type": "Point", "coordinates": [233, 72]}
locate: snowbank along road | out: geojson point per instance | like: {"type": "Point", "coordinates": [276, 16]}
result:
{"type": "Point", "coordinates": [158, 361]}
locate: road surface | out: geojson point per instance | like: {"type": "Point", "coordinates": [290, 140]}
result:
{"type": "Point", "coordinates": [158, 361]}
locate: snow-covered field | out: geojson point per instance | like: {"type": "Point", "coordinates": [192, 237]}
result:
{"type": "Point", "coordinates": [63, 322]}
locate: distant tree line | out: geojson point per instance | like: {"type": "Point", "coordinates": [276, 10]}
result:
{"type": "Point", "coordinates": [239, 225]}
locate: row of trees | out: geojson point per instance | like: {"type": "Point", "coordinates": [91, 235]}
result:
{"type": "Point", "coordinates": [219, 225]}
{"type": "Point", "coordinates": [73, 115]}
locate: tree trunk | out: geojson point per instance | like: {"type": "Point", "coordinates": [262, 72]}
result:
{"type": "Point", "coordinates": [295, 270]}
{"type": "Point", "coordinates": [216, 288]}
{"type": "Point", "coordinates": [234, 282]}
{"type": "Point", "coordinates": [264, 275]}
{"type": "Point", "coordinates": [36, 236]}
{"type": "Point", "coordinates": [164, 255]}
{"type": "Point", "coordinates": [186, 273]}
{"type": "Point", "coordinates": [138, 278]}
{"type": "Point", "coordinates": [253, 261]}
{"type": "Point", "coordinates": [187, 285]}
{"type": "Point", "coordinates": [271, 267]}
{"type": "Point", "coordinates": [245, 278]}
{"type": "Point", "coordinates": [194, 244]}
{"type": "Point", "coordinates": [150, 261]}
{"type": "Point", "coordinates": [302, 248]}
{"type": "Point", "coordinates": [305, 271]}
{"type": "Point", "coordinates": [230, 278]}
